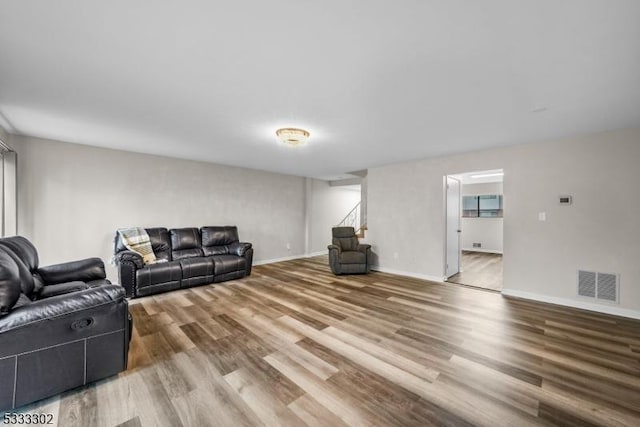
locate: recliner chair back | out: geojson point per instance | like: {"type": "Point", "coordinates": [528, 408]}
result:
{"type": "Point", "coordinates": [345, 237]}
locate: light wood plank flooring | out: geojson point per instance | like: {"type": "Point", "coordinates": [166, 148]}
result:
{"type": "Point", "coordinates": [293, 345]}
{"type": "Point", "coordinates": [479, 269]}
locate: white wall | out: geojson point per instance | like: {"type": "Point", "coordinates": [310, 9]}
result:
{"type": "Point", "coordinates": [327, 207]}
{"type": "Point", "coordinates": [72, 198]}
{"type": "Point", "coordinates": [486, 231]}
{"type": "Point", "coordinates": [598, 232]}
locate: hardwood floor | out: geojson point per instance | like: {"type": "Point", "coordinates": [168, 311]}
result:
{"type": "Point", "coordinates": [481, 270]}
{"type": "Point", "coordinates": [294, 345]}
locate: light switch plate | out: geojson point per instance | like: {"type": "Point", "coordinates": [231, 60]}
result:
{"type": "Point", "coordinates": [542, 216]}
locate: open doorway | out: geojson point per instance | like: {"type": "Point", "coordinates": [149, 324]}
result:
{"type": "Point", "coordinates": [475, 213]}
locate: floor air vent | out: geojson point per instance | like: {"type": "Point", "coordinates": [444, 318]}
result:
{"type": "Point", "coordinates": [602, 286]}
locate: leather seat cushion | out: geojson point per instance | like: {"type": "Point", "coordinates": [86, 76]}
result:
{"type": "Point", "coordinates": [353, 257]}
{"type": "Point", "coordinates": [224, 264]}
{"type": "Point", "coordinates": [161, 272]}
{"type": "Point", "coordinates": [195, 267]}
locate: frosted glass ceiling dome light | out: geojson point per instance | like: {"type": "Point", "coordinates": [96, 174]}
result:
{"type": "Point", "coordinates": [292, 136]}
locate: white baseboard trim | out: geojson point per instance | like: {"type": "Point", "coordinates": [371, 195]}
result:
{"type": "Point", "coordinates": [408, 274]}
{"type": "Point", "coordinates": [325, 252]}
{"type": "Point", "coordinates": [600, 308]}
{"type": "Point", "coordinates": [288, 258]}
{"type": "Point", "coordinates": [486, 251]}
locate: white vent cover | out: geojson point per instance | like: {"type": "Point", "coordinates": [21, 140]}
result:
{"type": "Point", "coordinates": [602, 286]}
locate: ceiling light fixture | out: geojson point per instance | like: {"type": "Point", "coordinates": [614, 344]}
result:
{"type": "Point", "coordinates": [292, 136]}
{"type": "Point", "coordinates": [487, 175]}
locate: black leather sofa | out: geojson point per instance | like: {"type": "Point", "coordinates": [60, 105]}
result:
{"type": "Point", "coordinates": [346, 254]}
{"type": "Point", "coordinates": [188, 257]}
{"type": "Point", "coordinates": [61, 326]}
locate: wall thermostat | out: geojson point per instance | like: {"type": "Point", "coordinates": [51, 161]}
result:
{"type": "Point", "coordinates": [566, 200]}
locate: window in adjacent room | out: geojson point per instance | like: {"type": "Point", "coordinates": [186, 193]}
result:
{"type": "Point", "coordinates": [483, 206]}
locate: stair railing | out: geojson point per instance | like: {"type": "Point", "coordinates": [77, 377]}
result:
{"type": "Point", "coordinates": [352, 219]}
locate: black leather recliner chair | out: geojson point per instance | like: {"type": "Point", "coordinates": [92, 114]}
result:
{"type": "Point", "coordinates": [189, 257]}
{"type": "Point", "coordinates": [346, 255]}
{"type": "Point", "coordinates": [61, 326]}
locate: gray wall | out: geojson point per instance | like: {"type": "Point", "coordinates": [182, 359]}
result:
{"type": "Point", "coordinates": [72, 198]}
{"type": "Point", "coordinates": [598, 232]}
{"type": "Point", "coordinates": [327, 207]}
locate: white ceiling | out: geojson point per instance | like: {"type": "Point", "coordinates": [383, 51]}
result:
{"type": "Point", "coordinates": [375, 81]}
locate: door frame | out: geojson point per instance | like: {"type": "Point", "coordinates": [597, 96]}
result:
{"type": "Point", "coordinates": [446, 224]}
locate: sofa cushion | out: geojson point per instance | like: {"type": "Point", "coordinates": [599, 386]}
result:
{"type": "Point", "coordinates": [82, 270]}
{"type": "Point", "coordinates": [162, 272]}
{"type": "Point", "coordinates": [195, 267]}
{"type": "Point", "coordinates": [219, 236]}
{"type": "Point", "coordinates": [9, 283]}
{"type": "Point", "coordinates": [22, 301]}
{"type": "Point", "coordinates": [62, 288]}
{"type": "Point", "coordinates": [25, 256]}
{"type": "Point", "coordinates": [185, 243]}
{"type": "Point", "coordinates": [353, 257]}
{"type": "Point", "coordinates": [160, 242]}
{"type": "Point", "coordinates": [223, 264]}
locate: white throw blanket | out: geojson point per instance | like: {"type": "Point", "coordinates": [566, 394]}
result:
{"type": "Point", "coordinates": [137, 240]}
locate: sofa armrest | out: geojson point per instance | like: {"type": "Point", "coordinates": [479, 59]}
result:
{"type": "Point", "coordinates": [248, 256]}
{"type": "Point", "coordinates": [239, 248]}
{"type": "Point", "coordinates": [334, 247]}
{"type": "Point", "coordinates": [129, 256]}
{"type": "Point", "coordinates": [53, 307]}
{"type": "Point", "coordinates": [83, 270]}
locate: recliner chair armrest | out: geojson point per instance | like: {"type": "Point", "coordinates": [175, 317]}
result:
{"type": "Point", "coordinates": [83, 270]}
{"type": "Point", "coordinates": [363, 247]}
{"type": "Point", "coordinates": [239, 248]}
{"type": "Point", "coordinates": [130, 256]}
{"type": "Point", "coordinates": [334, 258]}
{"type": "Point", "coordinates": [50, 308]}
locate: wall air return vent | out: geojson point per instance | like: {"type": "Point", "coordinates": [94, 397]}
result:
{"type": "Point", "coordinates": [586, 284]}
{"type": "Point", "coordinates": [600, 286]}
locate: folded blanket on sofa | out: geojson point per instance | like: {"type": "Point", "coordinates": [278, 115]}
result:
{"type": "Point", "coordinates": [137, 240]}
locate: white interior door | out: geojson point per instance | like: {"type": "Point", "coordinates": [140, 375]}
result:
{"type": "Point", "coordinates": [452, 265]}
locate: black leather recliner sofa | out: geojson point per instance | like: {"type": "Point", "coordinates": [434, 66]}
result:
{"type": "Point", "coordinates": [61, 326]}
{"type": "Point", "coordinates": [189, 257]}
{"type": "Point", "coordinates": [346, 254]}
